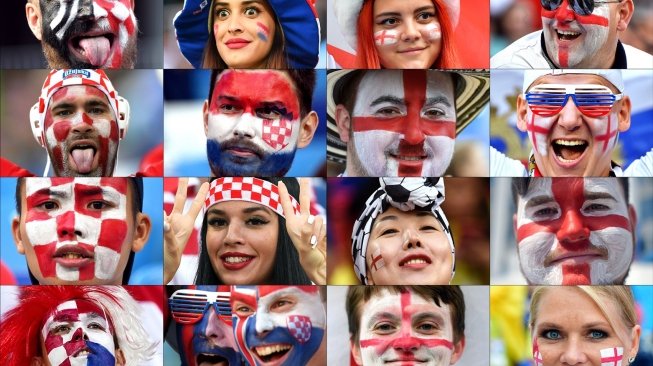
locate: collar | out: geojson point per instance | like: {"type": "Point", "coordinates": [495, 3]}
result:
{"type": "Point", "coordinates": [533, 171]}
{"type": "Point", "coordinates": [620, 61]}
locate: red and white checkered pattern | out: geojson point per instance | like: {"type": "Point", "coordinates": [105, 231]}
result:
{"type": "Point", "coordinates": [247, 189]}
{"type": "Point", "coordinates": [300, 327]}
{"type": "Point", "coordinates": [276, 133]}
{"type": "Point", "coordinates": [612, 356]}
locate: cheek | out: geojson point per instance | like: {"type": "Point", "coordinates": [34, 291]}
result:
{"type": "Point", "coordinates": [432, 32]}
{"type": "Point", "coordinates": [262, 31]}
{"type": "Point", "coordinates": [385, 38]}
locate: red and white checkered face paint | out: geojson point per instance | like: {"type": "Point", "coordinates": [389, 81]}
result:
{"type": "Point", "coordinates": [612, 356]}
{"type": "Point", "coordinates": [404, 123]}
{"type": "Point", "coordinates": [78, 333]}
{"type": "Point", "coordinates": [572, 39]}
{"type": "Point", "coordinates": [76, 226]}
{"type": "Point", "coordinates": [574, 231]}
{"type": "Point", "coordinates": [404, 326]}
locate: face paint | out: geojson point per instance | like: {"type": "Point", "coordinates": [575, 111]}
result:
{"type": "Point", "coordinates": [79, 333]}
{"type": "Point", "coordinates": [404, 123]}
{"type": "Point", "coordinates": [572, 40]}
{"type": "Point", "coordinates": [286, 327]}
{"type": "Point", "coordinates": [264, 31]}
{"type": "Point", "coordinates": [406, 313]}
{"type": "Point", "coordinates": [377, 260]}
{"type": "Point", "coordinates": [386, 37]}
{"type": "Point", "coordinates": [612, 356]}
{"type": "Point", "coordinates": [77, 227]}
{"type": "Point", "coordinates": [574, 231]}
{"type": "Point", "coordinates": [252, 132]}
{"type": "Point", "coordinates": [432, 32]}
{"type": "Point", "coordinates": [537, 356]}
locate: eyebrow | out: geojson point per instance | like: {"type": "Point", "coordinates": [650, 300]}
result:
{"type": "Point", "coordinates": [246, 210]}
{"type": "Point", "coordinates": [538, 200]}
{"type": "Point", "coordinates": [429, 315]}
{"type": "Point", "coordinates": [49, 192]}
{"type": "Point", "coordinates": [387, 99]}
{"type": "Point", "coordinates": [391, 13]}
{"type": "Point", "coordinates": [598, 196]}
{"type": "Point", "coordinates": [438, 100]}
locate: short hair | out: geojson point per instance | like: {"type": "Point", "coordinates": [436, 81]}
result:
{"type": "Point", "coordinates": [303, 80]}
{"type": "Point", "coordinates": [521, 185]}
{"type": "Point", "coordinates": [451, 295]}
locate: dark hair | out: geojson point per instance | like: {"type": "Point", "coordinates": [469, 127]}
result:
{"type": "Point", "coordinates": [303, 80]}
{"type": "Point", "coordinates": [521, 185]}
{"type": "Point", "coordinates": [357, 296]}
{"type": "Point", "coordinates": [286, 269]}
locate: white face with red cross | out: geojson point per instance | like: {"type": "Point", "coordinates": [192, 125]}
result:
{"type": "Point", "coordinates": [574, 231]}
{"type": "Point", "coordinates": [403, 124]}
{"type": "Point", "coordinates": [76, 228]}
{"type": "Point", "coordinates": [79, 333]}
{"type": "Point", "coordinates": [405, 328]}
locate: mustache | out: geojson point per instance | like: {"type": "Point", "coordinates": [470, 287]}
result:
{"type": "Point", "coordinates": [401, 147]}
{"type": "Point", "coordinates": [242, 144]}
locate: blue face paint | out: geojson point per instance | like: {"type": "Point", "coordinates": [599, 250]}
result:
{"type": "Point", "coordinates": [99, 356]}
{"type": "Point", "coordinates": [262, 36]}
{"type": "Point", "coordinates": [226, 164]}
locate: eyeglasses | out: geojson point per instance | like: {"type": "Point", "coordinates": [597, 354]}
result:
{"type": "Point", "coordinates": [580, 7]}
{"type": "Point", "coordinates": [189, 306]}
{"type": "Point", "coordinates": [592, 100]}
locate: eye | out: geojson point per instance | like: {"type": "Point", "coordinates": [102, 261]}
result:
{"type": "Point", "coordinates": [270, 112]}
{"type": "Point", "coordinates": [428, 228]}
{"type": "Point", "coordinates": [597, 334]}
{"type": "Point", "coordinates": [242, 310]}
{"type": "Point", "coordinates": [96, 110]}
{"type": "Point", "coordinates": [48, 205]}
{"type": "Point", "coordinates": [281, 304]}
{"type": "Point", "coordinates": [252, 11]}
{"type": "Point", "coordinates": [217, 222]}
{"type": "Point", "coordinates": [384, 328]}
{"type": "Point", "coordinates": [98, 205]}
{"type": "Point", "coordinates": [546, 212]}
{"type": "Point", "coordinates": [388, 112]}
{"type": "Point", "coordinates": [596, 207]}
{"type": "Point", "coordinates": [61, 329]}
{"type": "Point", "coordinates": [425, 16]}
{"type": "Point", "coordinates": [63, 113]}
{"type": "Point", "coordinates": [221, 14]}
{"type": "Point", "coordinates": [427, 328]}
{"type": "Point", "coordinates": [551, 334]}
{"type": "Point", "coordinates": [389, 232]}
{"type": "Point", "coordinates": [229, 109]}
{"type": "Point", "coordinates": [256, 221]}
{"type": "Point", "coordinates": [434, 113]}
{"type": "Point", "coordinates": [95, 325]}
{"type": "Point", "coordinates": [390, 22]}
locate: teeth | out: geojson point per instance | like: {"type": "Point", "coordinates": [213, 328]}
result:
{"type": "Point", "coordinates": [267, 350]}
{"type": "Point", "coordinates": [82, 353]}
{"type": "Point", "coordinates": [236, 259]}
{"type": "Point", "coordinates": [72, 256]}
{"type": "Point", "coordinates": [416, 261]}
{"type": "Point", "coordinates": [567, 33]}
{"type": "Point", "coordinates": [570, 142]}
{"type": "Point", "coordinates": [411, 158]}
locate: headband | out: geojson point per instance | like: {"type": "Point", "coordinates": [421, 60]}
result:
{"type": "Point", "coordinates": [405, 194]}
{"type": "Point", "coordinates": [613, 76]}
{"type": "Point", "coordinates": [247, 189]}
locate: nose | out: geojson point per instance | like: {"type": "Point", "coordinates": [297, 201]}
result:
{"type": "Point", "coordinates": [410, 32]}
{"type": "Point", "coordinates": [66, 226]}
{"type": "Point", "coordinates": [264, 324]}
{"type": "Point", "coordinates": [411, 239]}
{"type": "Point", "coordinates": [234, 234]}
{"type": "Point", "coordinates": [214, 331]}
{"type": "Point", "coordinates": [82, 128]}
{"type": "Point", "coordinates": [244, 127]}
{"type": "Point", "coordinates": [570, 117]}
{"type": "Point", "coordinates": [573, 231]}
{"type": "Point", "coordinates": [85, 10]}
{"type": "Point", "coordinates": [564, 13]}
{"type": "Point", "coordinates": [234, 25]}
{"type": "Point", "coordinates": [405, 344]}
{"type": "Point", "coordinates": [79, 335]}
{"type": "Point", "coordinates": [573, 353]}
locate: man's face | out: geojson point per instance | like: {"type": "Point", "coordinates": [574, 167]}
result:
{"type": "Point", "coordinates": [570, 142]}
{"type": "Point", "coordinates": [78, 333]}
{"type": "Point", "coordinates": [577, 41]}
{"type": "Point", "coordinates": [574, 231]}
{"type": "Point", "coordinates": [403, 124]}
{"type": "Point", "coordinates": [76, 229]}
{"type": "Point", "coordinates": [279, 325]}
{"type": "Point", "coordinates": [88, 33]}
{"type": "Point", "coordinates": [252, 131]}
{"type": "Point", "coordinates": [404, 328]}
{"type": "Point", "coordinates": [81, 132]}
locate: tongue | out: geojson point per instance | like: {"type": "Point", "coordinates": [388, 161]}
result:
{"type": "Point", "coordinates": [570, 153]}
{"type": "Point", "coordinates": [83, 159]}
{"type": "Point", "coordinates": [96, 49]}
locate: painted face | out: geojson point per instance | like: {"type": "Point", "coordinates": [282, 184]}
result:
{"type": "Point", "coordinates": [89, 34]}
{"type": "Point", "coordinates": [571, 143]}
{"type": "Point", "coordinates": [244, 31]}
{"type": "Point", "coordinates": [408, 248]}
{"type": "Point", "coordinates": [241, 239]}
{"type": "Point", "coordinates": [580, 41]}
{"type": "Point", "coordinates": [403, 124]}
{"type": "Point", "coordinates": [574, 231]}
{"type": "Point", "coordinates": [78, 333]}
{"type": "Point", "coordinates": [407, 35]}
{"type": "Point", "coordinates": [404, 328]}
{"type": "Point", "coordinates": [252, 131]}
{"type": "Point", "coordinates": [278, 325]}
{"type": "Point", "coordinates": [81, 132]}
{"type": "Point", "coordinates": [570, 329]}
{"type": "Point", "coordinates": [211, 339]}
{"type": "Point", "coordinates": [77, 229]}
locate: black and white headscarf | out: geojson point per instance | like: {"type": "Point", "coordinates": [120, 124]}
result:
{"type": "Point", "coordinates": [406, 194]}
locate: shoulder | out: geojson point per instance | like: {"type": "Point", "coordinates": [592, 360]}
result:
{"type": "Point", "coordinates": [638, 59]}
{"type": "Point", "coordinates": [503, 166]}
{"type": "Point", "coordinates": [525, 52]}
{"type": "Point", "coordinates": [642, 167]}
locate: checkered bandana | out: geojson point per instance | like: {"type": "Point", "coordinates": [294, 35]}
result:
{"type": "Point", "coordinates": [247, 189]}
{"type": "Point", "coordinates": [405, 194]}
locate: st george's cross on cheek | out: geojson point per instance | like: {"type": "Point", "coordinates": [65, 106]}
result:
{"type": "Point", "coordinates": [612, 356]}
{"type": "Point", "coordinates": [404, 123]}
{"type": "Point", "coordinates": [574, 231]}
{"type": "Point", "coordinates": [77, 227]}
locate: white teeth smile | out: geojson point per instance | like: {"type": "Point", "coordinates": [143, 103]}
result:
{"type": "Point", "coordinates": [570, 142]}
{"type": "Point", "coordinates": [567, 33]}
{"type": "Point", "coordinates": [236, 259]}
{"type": "Point", "coordinates": [416, 261]}
{"type": "Point", "coordinates": [267, 350]}
{"type": "Point", "coordinates": [410, 158]}
{"type": "Point", "coordinates": [82, 353]}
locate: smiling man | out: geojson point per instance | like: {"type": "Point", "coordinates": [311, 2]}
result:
{"type": "Point", "coordinates": [85, 33]}
{"type": "Point", "coordinates": [576, 34]}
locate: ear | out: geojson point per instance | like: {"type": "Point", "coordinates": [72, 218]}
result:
{"type": "Point", "coordinates": [623, 116]}
{"type": "Point", "coordinates": [18, 237]}
{"type": "Point", "coordinates": [307, 129]}
{"type": "Point", "coordinates": [634, 340]}
{"type": "Point", "coordinates": [458, 349]}
{"type": "Point", "coordinates": [356, 352]}
{"type": "Point", "coordinates": [624, 14]}
{"type": "Point", "coordinates": [205, 115]}
{"type": "Point", "coordinates": [120, 358]}
{"type": "Point", "coordinates": [522, 113]}
{"type": "Point", "coordinates": [141, 231]}
{"type": "Point", "coordinates": [343, 121]}
{"type": "Point", "coordinates": [33, 14]}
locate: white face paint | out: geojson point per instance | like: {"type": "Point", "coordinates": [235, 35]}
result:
{"type": "Point", "coordinates": [574, 231]}
{"type": "Point", "coordinates": [386, 37]}
{"type": "Point", "coordinates": [432, 32]}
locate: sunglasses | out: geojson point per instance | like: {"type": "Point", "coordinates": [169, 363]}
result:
{"type": "Point", "coordinates": [189, 306]}
{"type": "Point", "coordinates": [592, 100]}
{"type": "Point", "coordinates": [580, 7]}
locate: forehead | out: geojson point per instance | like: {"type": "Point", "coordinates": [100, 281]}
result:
{"type": "Point", "coordinates": [79, 306]}
{"type": "Point", "coordinates": [386, 301]}
{"type": "Point", "coordinates": [546, 187]}
{"type": "Point", "coordinates": [239, 81]}
{"type": "Point", "coordinates": [78, 93]}
{"type": "Point", "coordinates": [404, 216]}
{"type": "Point", "coordinates": [576, 302]}
{"type": "Point", "coordinates": [238, 207]}
{"type": "Point", "coordinates": [391, 82]}
{"type": "Point", "coordinates": [400, 5]}
{"type": "Point", "coordinates": [573, 79]}
{"type": "Point", "coordinates": [112, 184]}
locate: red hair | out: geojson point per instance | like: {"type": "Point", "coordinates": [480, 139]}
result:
{"type": "Point", "coordinates": [367, 56]}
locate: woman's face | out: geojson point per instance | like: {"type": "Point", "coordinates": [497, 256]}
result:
{"type": "Point", "coordinates": [241, 240]}
{"type": "Point", "coordinates": [407, 34]}
{"type": "Point", "coordinates": [570, 329]}
{"type": "Point", "coordinates": [408, 248]}
{"type": "Point", "coordinates": [244, 31]}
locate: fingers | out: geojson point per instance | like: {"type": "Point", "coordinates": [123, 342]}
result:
{"type": "Point", "coordinates": [284, 199]}
{"type": "Point", "coordinates": [198, 202]}
{"type": "Point", "coordinates": [180, 196]}
{"type": "Point", "coordinates": [317, 228]}
{"type": "Point", "coordinates": [305, 196]}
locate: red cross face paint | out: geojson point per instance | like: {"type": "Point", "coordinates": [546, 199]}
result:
{"type": "Point", "coordinates": [404, 123]}
{"type": "Point", "coordinates": [577, 41]}
{"type": "Point", "coordinates": [81, 132]}
{"type": "Point", "coordinates": [79, 333]}
{"type": "Point", "coordinates": [404, 328]}
{"type": "Point", "coordinates": [574, 231]}
{"type": "Point", "coordinates": [77, 229]}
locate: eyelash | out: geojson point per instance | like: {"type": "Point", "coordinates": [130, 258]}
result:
{"type": "Point", "coordinates": [253, 221]}
{"type": "Point", "coordinates": [256, 10]}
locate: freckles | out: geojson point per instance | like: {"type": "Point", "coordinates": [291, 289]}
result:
{"type": "Point", "coordinates": [385, 37]}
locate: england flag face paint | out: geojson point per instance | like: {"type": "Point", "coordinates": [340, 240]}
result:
{"type": "Point", "coordinates": [278, 325]}
{"type": "Point", "coordinates": [252, 131]}
{"type": "Point", "coordinates": [77, 228]}
{"type": "Point", "coordinates": [81, 132]}
{"type": "Point", "coordinates": [79, 334]}
{"type": "Point", "coordinates": [404, 328]}
{"type": "Point", "coordinates": [89, 33]}
{"type": "Point", "coordinates": [574, 231]}
{"type": "Point", "coordinates": [404, 123]}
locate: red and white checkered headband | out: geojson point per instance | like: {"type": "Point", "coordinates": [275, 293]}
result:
{"type": "Point", "coordinates": [247, 189]}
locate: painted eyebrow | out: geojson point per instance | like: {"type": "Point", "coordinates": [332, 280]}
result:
{"type": "Point", "coordinates": [387, 99]}
{"type": "Point", "coordinates": [441, 99]}
{"type": "Point", "coordinates": [50, 192]}
{"type": "Point", "coordinates": [538, 200]}
{"type": "Point", "coordinates": [598, 196]}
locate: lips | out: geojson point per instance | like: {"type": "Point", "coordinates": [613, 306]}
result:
{"type": "Point", "coordinates": [567, 35]}
{"type": "Point", "coordinates": [272, 354]}
{"type": "Point", "coordinates": [569, 151]}
{"type": "Point", "coordinates": [205, 359]}
{"type": "Point", "coordinates": [82, 352]}
{"type": "Point", "coordinates": [93, 47]}
{"type": "Point", "coordinates": [415, 261]}
{"type": "Point", "coordinates": [237, 43]}
{"type": "Point", "coordinates": [73, 256]}
{"type": "Point", "coordinates": [83, 156]}
{"type": "Point", "coordinates": [576, 257]}
{"type": "Point", "coordinates": [412, 50]}
{"type": "Point", "coordinates": [235, 261]}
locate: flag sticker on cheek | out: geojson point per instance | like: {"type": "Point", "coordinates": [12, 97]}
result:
{"type": "Point", "coordinates": [385, 37]}
{"type": "Point", "coordinates": [612, 356]}
{"type": "Point", "coordinates": [377, 260]}
{"type": "Point", "coordinates": [263, 31]}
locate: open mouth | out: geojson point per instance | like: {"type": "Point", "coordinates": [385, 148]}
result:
{"type": "Point", "coordinates": [409, 157]}
{"type": "Point", "coordinates": [236, 261]}
{"type": "Point", "coordinates": [569, 151]}
{"type": "Point", "coordinates": [92, 48]}
{"type": "Point", "coordinates": [82, 352]}
{"type": "Point", "coordinates": [271, 353]}
{"type": "Point", "coordinates": [83, 156]}
{"type": "Point", "coordinates": [205, 359]}
{"type": "Point", "coordinates": [567, 35]}
{"type": "Point", "coordinates": [415, 261]}
{"type": "Point", "coordinates": [73, 256]}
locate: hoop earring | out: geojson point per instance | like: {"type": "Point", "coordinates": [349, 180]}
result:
{"type": "Point", "coordinates": [631, 360]}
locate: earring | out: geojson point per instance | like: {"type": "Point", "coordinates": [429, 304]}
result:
{"type": "Point", "coordinates": [631, 360]}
